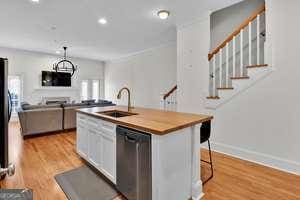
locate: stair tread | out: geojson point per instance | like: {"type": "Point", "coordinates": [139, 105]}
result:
{"type": "Point", "coordinates": [240, 77]}
{"type": "Point", "coordinates": [216, 97]}
{"type": "Point", "coordinates": [225, 88]}
{"type": "Point", "coordinates": [256, 66]}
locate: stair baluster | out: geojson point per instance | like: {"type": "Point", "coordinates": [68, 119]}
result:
{"type": "Point", "coordinates": [250, 43]}
{"type": "Point", "coordinates": [221, 67]}
{"type": "Point", "coordinates": [233, 56]}
{"type": "Point", "coordinates": [241, 52]}
{"type": "Point", "coordinates": [227, 67]}
{"type": "Point", "coordinates": [214, 76]}
{"type": "Point", "coordinates": [220, 78]}
{"type": "Point", "coordinates": [258, 39]}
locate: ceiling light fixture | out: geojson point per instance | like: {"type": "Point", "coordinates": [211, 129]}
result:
{"type": "Point", "coordinates": [35, 1]}
{"type": "Point", "coordinates": [65, 65]}
{"type": "Point", "coordinates": [163, 14]}
{"type": "Point", "coordinates": [102, 21]}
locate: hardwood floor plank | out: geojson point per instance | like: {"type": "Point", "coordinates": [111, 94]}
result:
{"type": "Point", "coordinates": [39, 159]}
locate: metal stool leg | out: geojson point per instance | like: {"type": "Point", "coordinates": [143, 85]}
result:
{"type": "Point", "coordinates": [210, 163]}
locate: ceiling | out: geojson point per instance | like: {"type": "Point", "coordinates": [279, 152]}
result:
{"type": "Point", "coordinates": [132, 24]}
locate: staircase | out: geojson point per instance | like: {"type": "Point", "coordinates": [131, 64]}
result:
{"type": "Point", "coordinates": [238, 62]}
{"type": "Point", "coordinates": [169, 100]}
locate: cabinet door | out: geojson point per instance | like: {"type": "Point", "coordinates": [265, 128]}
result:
{"type": "Point", "coordinates": [109, 156]}
{"type": "Point", "coordinates": [82, 139]}
{"type": "Point", "coordinates": [94, 145]}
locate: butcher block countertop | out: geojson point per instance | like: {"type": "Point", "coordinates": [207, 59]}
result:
{"type": "Point", "coordinates": [153, 121]}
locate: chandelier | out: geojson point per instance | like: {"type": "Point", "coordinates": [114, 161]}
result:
{"type": "Point", "coordinates": [65, 65]}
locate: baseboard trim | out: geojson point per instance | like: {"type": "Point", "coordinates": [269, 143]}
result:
{"type": "Point", "coordinates": [259, 158]}
{"type": "Point", "coordinates": [198, 198]}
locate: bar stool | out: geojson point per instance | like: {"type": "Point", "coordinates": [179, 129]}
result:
{"type": "Point", "coordinates": [205, 135]}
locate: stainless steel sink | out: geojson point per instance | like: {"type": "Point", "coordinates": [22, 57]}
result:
{"type": "Point", "coordinates": [116, 113]}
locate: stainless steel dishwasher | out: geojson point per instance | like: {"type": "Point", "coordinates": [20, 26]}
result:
{"type": "Point", "coordinates": [134, 171]}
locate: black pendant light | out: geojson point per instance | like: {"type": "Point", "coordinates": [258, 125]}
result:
{"type": "Point", "coordinates": [65, 65]}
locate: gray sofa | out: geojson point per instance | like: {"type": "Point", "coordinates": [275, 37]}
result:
{"type": "Point", "coordinates": [40, 119]}
{"type": "Point", "coordinates": [37, 119]}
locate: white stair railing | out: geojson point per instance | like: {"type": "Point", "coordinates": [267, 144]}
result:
{"type": "Point", "coordinates": [225, 58]}
{"type": "Point", "coordinates": [168, 101]}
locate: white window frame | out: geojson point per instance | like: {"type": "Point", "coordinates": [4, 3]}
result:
{"type": "Point", "coordinates": [95, 94]}
{"type": "Point", "coordinates": [20, 77]}
{"type": "Point", "coordinates": [90, 89]}
{"type": "Point", "coordinates": [82, 96]}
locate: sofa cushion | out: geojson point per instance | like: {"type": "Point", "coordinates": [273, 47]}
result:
{"type": "Point", "coordinates": [55, 102]}
{"type": "Point", "coordinates": [65, 105]}
{"type": "Point", "coordinates": [24, 104]}
{"type": "Point", "coordinates": [33, 107]}
{"type": "Point", "coordinates": [101, 104]}
{"type": "Point", "coordinates": [88, 101]}
{"type": "Point", "coordinates": [104, 101]}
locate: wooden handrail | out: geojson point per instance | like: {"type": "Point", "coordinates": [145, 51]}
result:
{"type": "Point", "coordinates": [237, 31]}
{"type": "Point", "coordinates": [170, 92]}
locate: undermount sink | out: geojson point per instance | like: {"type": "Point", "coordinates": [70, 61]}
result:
{"type": "Point", "coordinates": [116, 113]}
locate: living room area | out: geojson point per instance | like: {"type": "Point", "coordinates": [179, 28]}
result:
{"type": "Point", "coordinates": [42, 109]}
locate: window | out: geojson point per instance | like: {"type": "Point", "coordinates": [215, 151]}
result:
{"type": "Point", "coordinates": [84, 90]}
{"type": "Point", "coordinates": [90, 89]}
{"type": "Point", "coordinates": [96, 89]}
{"type": "Point", "coordinates": [15, 88]}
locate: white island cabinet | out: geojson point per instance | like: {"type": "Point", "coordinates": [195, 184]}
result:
{"type": "Point", "coordinates": [96, 143]}
{"type": "Point", "coordinates": [175, 148]}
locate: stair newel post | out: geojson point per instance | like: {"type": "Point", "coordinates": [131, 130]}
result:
{"type": "Point", "coordinates": [227, 65]}
{"type": "Point", "coordinates": [233, 56]}
{"type": "Point", "coordinates": [241, 52]}
{"type": "Point", "coordinates": [175, 101]}
{"type": "Point", "coordinates": [258, 39]}
{"type": "Point", "coordinates": [172, 102]}
{"type": "Point", "coordinates": [220, 67]}
{"type": "Point", "coordinates": [250, 43]}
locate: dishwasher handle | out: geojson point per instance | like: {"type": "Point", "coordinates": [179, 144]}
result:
{"type": "Point", "coordinates": [131, 139]}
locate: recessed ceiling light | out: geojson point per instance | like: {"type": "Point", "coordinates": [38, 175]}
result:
{"type": "Point", "coordinates": [102, 21]}
{"type": "Point", "coordinates": [163, 14]}
{"type": "Point", "coordinates": [35, 1]}
{"type": "Point", "coordinates": [57, 52]}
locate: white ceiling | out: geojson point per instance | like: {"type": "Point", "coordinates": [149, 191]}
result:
{"type": "Point", "coordinates": [132, 24]}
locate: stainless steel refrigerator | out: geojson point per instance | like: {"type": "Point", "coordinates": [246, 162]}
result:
{"type": "Point", "coordinates": [5, 114]}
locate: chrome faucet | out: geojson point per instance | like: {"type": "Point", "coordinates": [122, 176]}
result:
{"type": "Point", "coordinates": [119, 97]}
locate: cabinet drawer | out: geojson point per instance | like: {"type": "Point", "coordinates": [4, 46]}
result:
{"type": "Point", "coordinates": [93, 122]}
{"type": "Point", "coordinates": [81, 116]}
{"type": "Point", "coordinates": [108, 127]}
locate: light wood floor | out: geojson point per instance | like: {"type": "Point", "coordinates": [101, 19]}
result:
{"type": "Point", "coordinates": [38, 159]}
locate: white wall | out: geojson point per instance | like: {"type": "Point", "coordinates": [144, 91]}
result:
{"type": "Point", "coordinates": [30, 65]}
{"type": "Point", "coordinates": [260, 124]}
{"type": "Point", "coordinates": [192, 70]}
{"type": "Point", "coordinates": [147, 74]}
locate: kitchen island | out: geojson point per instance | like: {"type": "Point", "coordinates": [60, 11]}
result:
{"type": "Point", "coordinates": [174, 166]}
